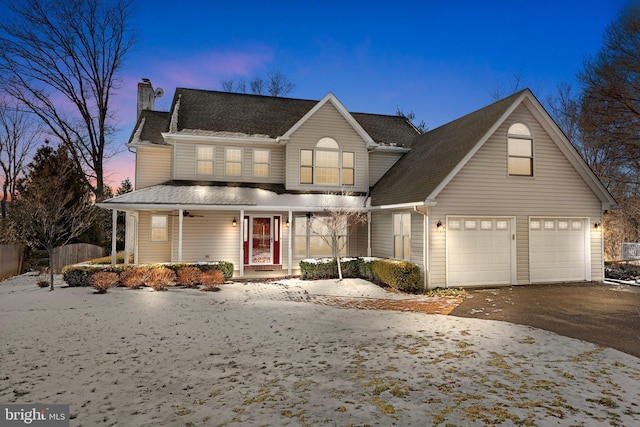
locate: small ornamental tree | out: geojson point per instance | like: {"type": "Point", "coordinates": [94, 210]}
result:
{"type": "Point", "coordinates": [54, 203]}
{"type": "Point", "coordinates": [340, 216]}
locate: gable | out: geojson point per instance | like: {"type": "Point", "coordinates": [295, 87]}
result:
{"type": "Point", "coordinates": [326, 121]}
{"type": "Point", "coordinates": [437, 156]}
{"type": "Point", "coordinates": [483, 183]}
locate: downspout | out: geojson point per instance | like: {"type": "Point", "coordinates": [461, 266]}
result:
{"type": "Point", "coordinates": [425, 245]}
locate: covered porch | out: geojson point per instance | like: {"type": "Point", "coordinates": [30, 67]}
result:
{"type": "Point", "coordinates": [262, 232]}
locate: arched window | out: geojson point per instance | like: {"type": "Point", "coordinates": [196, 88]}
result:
{"type": "Point", "coordinates": [326, 164]}
{"type": "Point", "coordinates": [520, 150]}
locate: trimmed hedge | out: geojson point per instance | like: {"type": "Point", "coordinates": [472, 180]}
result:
{"type": "Point", "coordinates": [79, 274]}
{"type": "Point", "coordinates": [401, 275]}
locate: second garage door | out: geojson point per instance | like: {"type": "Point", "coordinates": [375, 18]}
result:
{"type": "Point", "coordinates": [479, 251]}
{"type": "Point", "coordinates": [558, 249]}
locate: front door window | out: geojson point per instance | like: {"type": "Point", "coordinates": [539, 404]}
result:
{"type": "Point", "coordinates": [261, 241]}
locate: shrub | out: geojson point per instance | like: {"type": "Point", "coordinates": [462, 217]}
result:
{"type": "Point", "coordinates": [366, 269]}
{"type": "Point", "coordinates": [103, 280]}
{"type": "Point", "coordinates": [189, 276]}
{"type": "Point", "coordinates": [322, 268]}
{"type": "Point", "coordinates": [161, 277]}
{"type": "Point", "coordinates": [42, 281]}
{"type": "Point", "coordinates": [135, 277]}
{"type": "Point", "coordinates": [401, 275]}
{"type": "Point", "coordinates": [350, 267]}
{"type": "Point", "coordinates": [226, 268]}
{"type": "Point", "coordinates": [211, 279]}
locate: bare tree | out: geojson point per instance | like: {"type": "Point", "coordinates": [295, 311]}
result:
{"type": "Point", "coordinates": [337, 221]}
{"type": "Point", "coordinates": [53, 204]}
{"type": "Point", "coordinates": [502, 90]}
{"type": "Point", "coordinates": [61, 60]}
{"type": "Point", "coordinates": [278, 84]}
{"type": "Point", "coordinates": [411, 116]}
{"type": "Point", "coordinates": [257, 86]}
{"type": "Point", "coordinates": [19, 132]}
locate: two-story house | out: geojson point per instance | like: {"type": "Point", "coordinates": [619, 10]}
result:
{"type": "Point", "coordinates": [497, 197]}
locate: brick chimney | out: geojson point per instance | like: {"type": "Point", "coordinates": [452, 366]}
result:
{"type": "Point", "coordinates": [146, 96]}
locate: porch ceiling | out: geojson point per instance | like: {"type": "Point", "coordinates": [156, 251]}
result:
{"type": "Point", "coordinates": [205, 197]}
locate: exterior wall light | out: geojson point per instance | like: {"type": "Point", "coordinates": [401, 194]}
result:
{"type": "Point", "coordinates": [287, 223]}
{"type": "Point", "coordinates": [597, 226]}
{"type": "Point", "coordinates": [234, 222]}
{"type": "Point", "coordinates": [440, 227]}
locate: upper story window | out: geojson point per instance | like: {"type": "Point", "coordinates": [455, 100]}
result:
{"type": "Point", "coordinates": [327, 164]}
{"type": "Point", "coordinates": [233, 161]}
{"type": "Point", "coordinates": [159, 228]}
{"type": "Point", "coordinates": [261, 161]}
{"type": "Point", "coordinates": [204, 160]}
{"type": "Point", "coordinates": [520, 150]}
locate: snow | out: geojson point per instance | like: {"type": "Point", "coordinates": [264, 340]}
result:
{"type": "Point", "coordinates": [264, 354]}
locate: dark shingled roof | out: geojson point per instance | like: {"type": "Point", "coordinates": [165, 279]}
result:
{"type": "Point", "coordinates": [259, 115]}
{"type": "Point", "coordinates": [435, 154]}
{"type": "Point", "coordinates": [155, 122]}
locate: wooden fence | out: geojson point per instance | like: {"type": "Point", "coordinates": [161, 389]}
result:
{"type": "Point", "coordinates": [11, 260]}
{"type": "Point", "coordinates": [73, 254]}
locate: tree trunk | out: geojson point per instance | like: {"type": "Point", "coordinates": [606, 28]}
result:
{"type": "Point", "coordinates": [50, 252]}
{"type": "Point", "coordinates": [336, 254]}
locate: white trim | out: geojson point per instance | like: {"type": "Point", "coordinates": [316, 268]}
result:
{"type": "Point", "coordinates": [330, 97]}
{"type": "Point", "coordinates": [513, 273]}
{"type": "Point", "coordinates": [587, 230]}
{"type": "Point", "coordinates": [177, 137]}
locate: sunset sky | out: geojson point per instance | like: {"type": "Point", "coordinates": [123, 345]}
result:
{"type": "Point", "coordinates": [439, 59]}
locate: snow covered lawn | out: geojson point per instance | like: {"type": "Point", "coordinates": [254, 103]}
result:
{"type": "Point", "coordinates": [281, 354]}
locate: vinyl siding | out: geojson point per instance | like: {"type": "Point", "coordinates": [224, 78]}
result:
{"type": "Point", "coordinates": [153, 166]}
{"type": "Point", "coordinates": [327, 122]}
{"type": "Point", "coordinates": [483, 187]}
{"type": "Point", "coordinates": [211, 237]}
{"type": "Point", "coordinates": [149, 251]}
{"type": "Point", "coordinates": [380, 163]}
{"type": "Point", "coordinates": [185, 163]}
{"type": "Point", "coordinates": [382, 235]}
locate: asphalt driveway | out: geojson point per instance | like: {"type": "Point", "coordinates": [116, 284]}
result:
{"type": "Point", "coordinates": [603, 314]}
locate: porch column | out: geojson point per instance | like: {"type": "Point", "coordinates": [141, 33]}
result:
{"type": "Point", "coordinates": [241, 237]}
{"type": "Point", "coordinates": [114, 233]}
{"type": "Point", "coordinates": [180, 212]}
{"type": "Point", "coordinates": [127, 243]}
{"type": "Point", "coordinates": [368, 233]}
{"type": "Point", "coordinates": [290, 246]}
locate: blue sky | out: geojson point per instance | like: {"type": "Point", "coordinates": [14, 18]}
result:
{"type": "Point", "coordinates": [439, 59]}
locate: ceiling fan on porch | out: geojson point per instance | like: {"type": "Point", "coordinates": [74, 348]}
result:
{"type": "Point", "coordinates": [187, 214]}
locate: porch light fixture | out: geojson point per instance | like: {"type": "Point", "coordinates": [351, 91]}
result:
{"type": "Point", "coordinates": [234, 222]}
{"type": "Point", "coordinates": [286, 223]}
{"type": "Point", "coordinates": [597, 226]}
{"type": "Point", "coordinates": [440, 227]}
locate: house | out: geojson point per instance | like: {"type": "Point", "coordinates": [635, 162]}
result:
{"type": "Point", "coordinates": [497, 197]}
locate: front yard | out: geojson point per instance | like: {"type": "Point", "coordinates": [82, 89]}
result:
{"type": "Point", "coordinates": [289, 353]}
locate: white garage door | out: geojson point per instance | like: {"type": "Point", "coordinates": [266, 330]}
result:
{"type": "Point", "coordinates": [558, 249]}
{"type": "Point", "coordinates": [479, 251]}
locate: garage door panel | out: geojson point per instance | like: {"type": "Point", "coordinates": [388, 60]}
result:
{"type": "Point", "coordinates": [557, 249]}
{"type": "Point", "coordinates": [479, 251]}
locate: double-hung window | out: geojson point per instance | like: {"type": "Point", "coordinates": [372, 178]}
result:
{"type": "Point", "coordinates": [261, 160]}
{"type": "Point", "coordinates": [326, 164]}
{"type": "Point", "coordinates": [159, 228]}
{"type": "Point", "coordinates": [520, 149]}
{"type": "Point", "coordinates": [402, 236]}
{"type": "Point", "coordinates": [313, 237]}
{"type": "Point", "coordinates": [233, 161]}
{"type": "Point", "coordinates": [204, 159]}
